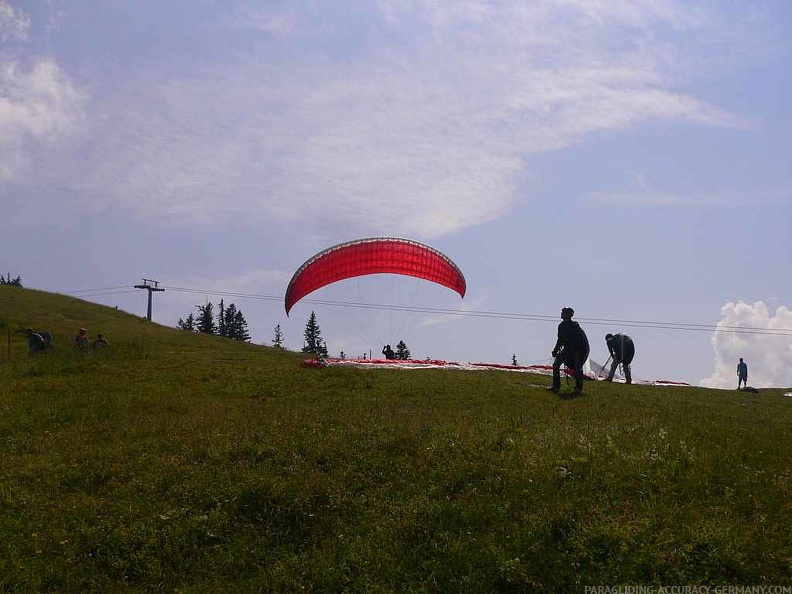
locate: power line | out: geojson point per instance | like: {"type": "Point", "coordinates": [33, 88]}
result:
{"type": "Point", "coordinates": [500, 315]}
{"type": "Point", "coordinates": [81, 291]}
{"type": "Point", "coordinates": [547, 318]}
{"type": "Point", "coordinates": [101, 294]}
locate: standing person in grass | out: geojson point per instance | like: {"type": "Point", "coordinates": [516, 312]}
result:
{"type": "Point", "coordinates": [100, 342]}
{"type": "Point", "coordinates": [571, 349]}
{"type": "Point", "coordinates": [81, 340]}
{"type": "Point", "coordinates": [622, 350]}
{"type": "Point", "coordinates": [742, 374]}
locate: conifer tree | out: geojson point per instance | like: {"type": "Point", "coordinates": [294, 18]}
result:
{"type": "Point", "coordinates": [232, 323]}
{"type": "Point", "coordinates": [278, 340]}
{"type": "Point", "coordinates": [188, 324]}
{"type": "Point", "coordinates": [239, 327]}
{"type": "Point", "coordinates": [222, 329]}
{"type": "Point", "coordinates": [229, 313]}
{"type": "Point", "coordinates": [402, 352]}
{"type": "Point", "coordinates": [205, 322]}
{"type": "Point", "coordinates": [312, 335]}
{"type": "Point", "coordinates": [17, 282]}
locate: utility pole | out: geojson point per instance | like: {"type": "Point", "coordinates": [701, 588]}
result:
{"type": "Point", "coordinates": [150, 286]}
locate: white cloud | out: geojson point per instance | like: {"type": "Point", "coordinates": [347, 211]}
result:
{"type": "Point", "coordinates": [768, 356]}
{"type": "Point", "coordinates": [38, 108]}
{"type": "Point", "coordinates": [279, 23]}
{"type": "Point", "coordinates": [419, 137]}
{"type": "Point", "coordinates": [13, 24]}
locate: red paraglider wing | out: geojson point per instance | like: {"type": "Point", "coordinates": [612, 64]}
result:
{"type": "Point", "coordinates": [374, 255]}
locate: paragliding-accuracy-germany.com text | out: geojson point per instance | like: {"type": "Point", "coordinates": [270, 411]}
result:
{"type": "Point", "coordinates": [687, 590]}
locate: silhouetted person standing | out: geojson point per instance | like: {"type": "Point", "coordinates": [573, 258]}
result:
{"type": "Point", "coordinates": [571, 349]}
{"type": "Point", "coordinates": [622, 350]}
{"type": "Point", "coordinates": [388, 352]}
{"type": "Point", "coordinates": [742, 374]}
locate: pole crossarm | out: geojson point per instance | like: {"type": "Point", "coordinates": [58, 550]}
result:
{"type": "Point", "coordinates": [150, 286]}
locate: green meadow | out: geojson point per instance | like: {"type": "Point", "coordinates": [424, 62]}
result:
{"type": "Point", "coordinates": [179, 462]}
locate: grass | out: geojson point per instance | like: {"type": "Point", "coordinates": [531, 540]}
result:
{"type": "Point", "coordinates": [179, 462]}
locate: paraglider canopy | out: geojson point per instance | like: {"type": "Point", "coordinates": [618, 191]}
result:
{"type": "Point", "coordinates": [373, 255]}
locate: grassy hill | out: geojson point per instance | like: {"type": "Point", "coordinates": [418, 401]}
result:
{"type": "Point", "coordinates": [190, 463]}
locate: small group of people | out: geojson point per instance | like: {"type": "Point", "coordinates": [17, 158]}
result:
{"type": "Point", "coordinates": [572, 350]}
{"type": "Point", "coordinates": [41, 341]}
{"type": "Point", "coordinates": [81, 340]}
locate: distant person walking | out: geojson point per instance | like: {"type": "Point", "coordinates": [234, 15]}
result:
{"type": "Point", "coordinates": [622, 350]}
{"type": "Point", "coordinates": [742, 374]}
{"type": "Point", "coordinates": [571, 349]}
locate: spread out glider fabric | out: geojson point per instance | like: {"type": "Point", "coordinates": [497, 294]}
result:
{"type": "Point", "coordinates": [374, 255]}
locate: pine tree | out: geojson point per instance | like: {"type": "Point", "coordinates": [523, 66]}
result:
{"type": "Point", "coordinates": [222, 329]}
{"type": "Point", "coordinates": [205, 322]}
{"type": "Point", "coordinates": [17, 282]}
{"type": "Point", "coordinates": [402, 352]}
{"type": "Point", "coordinates": [312, 335]}
{"type": "Point", "coordinates": [278, 340]}
{"type": "Point", "coordinates": [240, 329]}
{"type": "Point", "coordinates": [188, 324]}
{"type": "Point", "coordinates": [228, 320]}
{"type": "Point", "coordinates": [514, 359]}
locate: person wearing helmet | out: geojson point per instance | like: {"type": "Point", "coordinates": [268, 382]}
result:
{"type": "Point", "coordinates": [571, 349]}
{"type": "Point", "coordinates": [622, 350]}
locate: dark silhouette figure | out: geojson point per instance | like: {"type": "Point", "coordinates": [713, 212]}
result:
{"type": "Point", "coordinates": [622, 350]}
{"type": "Point", "coordinates": [742, 374]}
{"type": "Point", "coordinates": [388, 352]}
{"type": "Point", "coordinates": [571, 349]}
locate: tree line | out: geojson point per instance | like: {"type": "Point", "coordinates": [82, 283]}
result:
{"type": "Point", "coordinates": [7, 280]}
{"type": "Point", "coordinates": [229, 322]}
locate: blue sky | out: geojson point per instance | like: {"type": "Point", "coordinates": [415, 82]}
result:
{"type": "Point", "coordinates": [628, 158]}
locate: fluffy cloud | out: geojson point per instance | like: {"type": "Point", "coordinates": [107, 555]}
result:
{"type": "Point", "coordinates": [768, 355]}
{"type": "Point", "coordinates": [13, 24]}
{"type": "Point", "coordinates": [421, 130]}
{"type": "Point", "coordinates": [39, 106]}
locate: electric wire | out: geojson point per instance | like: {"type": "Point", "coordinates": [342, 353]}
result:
{"type": "Point", "coordinates": [501, 315]}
